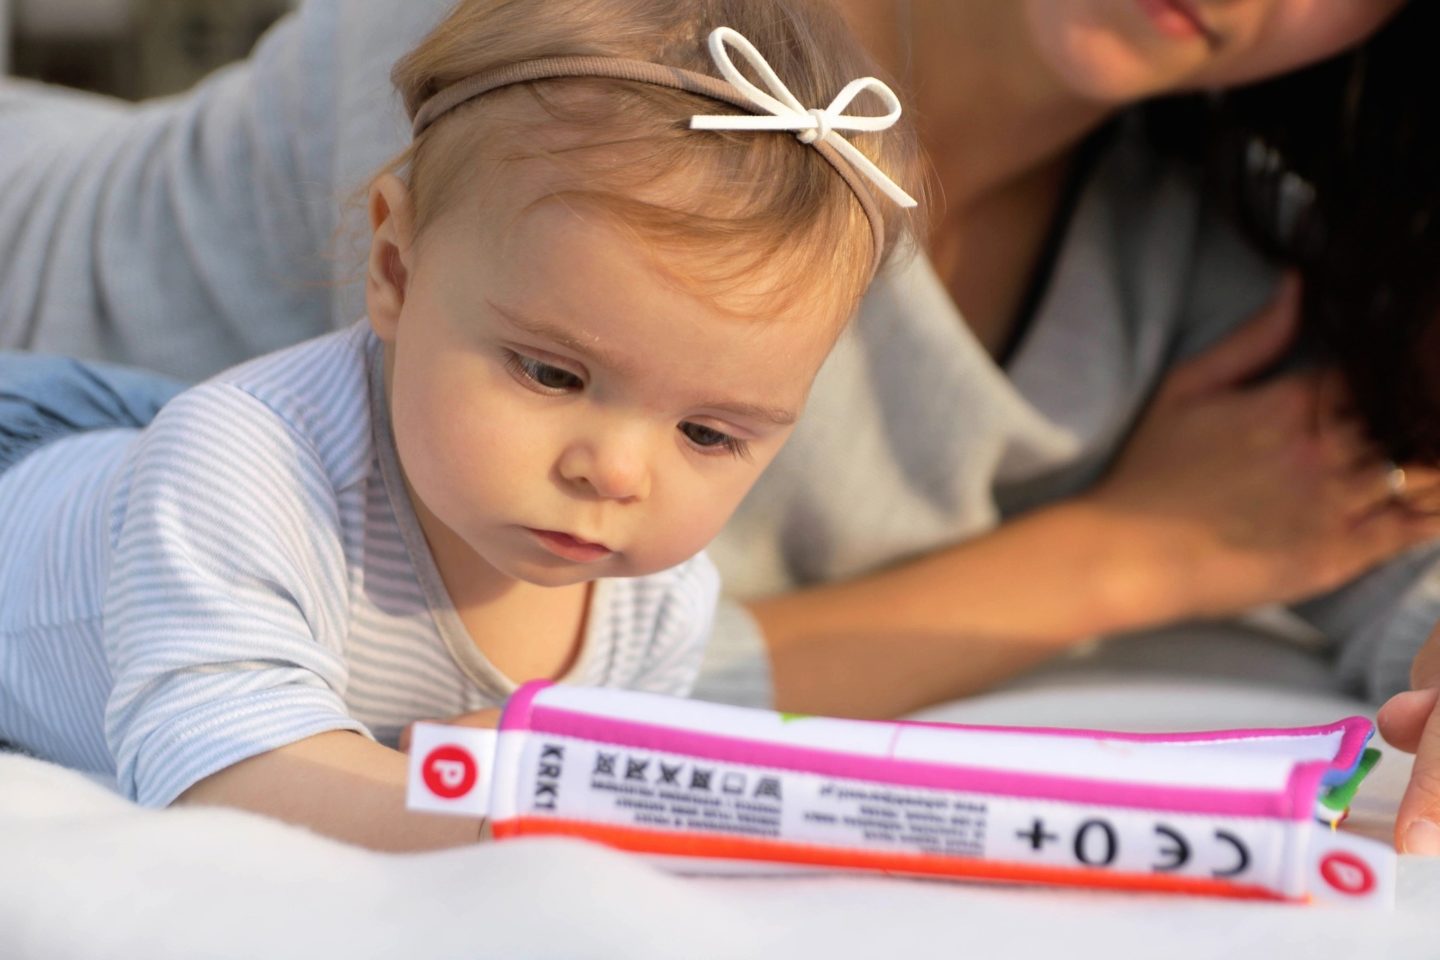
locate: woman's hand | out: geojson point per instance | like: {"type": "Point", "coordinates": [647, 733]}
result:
{"type": "Point", "coordinates": [1410, 721]}
{"type": "Point", "coordinates": [487, 719]}
{"type": "Point", "coordinates": [1244, 494]}
{"type": "Point", "coordinates": [1229, 495]}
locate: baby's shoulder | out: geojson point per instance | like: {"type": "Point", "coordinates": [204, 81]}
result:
{"type": "Point", "coordinates": [302, 384]}
{"type": "Point", "coordinates": [312, 397]}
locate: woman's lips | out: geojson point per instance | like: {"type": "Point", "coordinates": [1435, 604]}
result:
{"type": "Point", "coordinates": [566, 547]}
{"type": "Point", "coordinates": [1177, 18]}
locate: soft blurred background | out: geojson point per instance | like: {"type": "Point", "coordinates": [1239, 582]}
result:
{"type": "Point", "coordinates": [129, 48]}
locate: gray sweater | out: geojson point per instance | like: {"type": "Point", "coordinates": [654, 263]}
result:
{"type": "Point", "coordinates": [188, 234]}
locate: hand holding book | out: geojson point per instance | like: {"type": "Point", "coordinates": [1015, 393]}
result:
{"type": "Point", "coordinates": [1410, 721]}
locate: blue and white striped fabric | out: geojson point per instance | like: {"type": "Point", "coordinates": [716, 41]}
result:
{"type": "Point", "coordinates": [247, 571]}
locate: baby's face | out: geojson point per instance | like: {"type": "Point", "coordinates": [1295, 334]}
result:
{"type": "Point", "coordinates": [569, 412]}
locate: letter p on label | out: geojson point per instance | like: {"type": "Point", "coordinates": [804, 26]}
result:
{"type": "Point", "coordinates": [450, 770]}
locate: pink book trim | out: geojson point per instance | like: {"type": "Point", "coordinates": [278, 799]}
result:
{"type": "Point", "coordinates": [1355, 734]}
{"type": "Point", "coordinates": [1295, 801]}
{"type": "Point", "coordinates": [518, 709]}
{"type": "Point", "coordinates": [916, 773]}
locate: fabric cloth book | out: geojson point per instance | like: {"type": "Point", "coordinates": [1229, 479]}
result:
{"type": "Point", "coordinates": [707, 787]}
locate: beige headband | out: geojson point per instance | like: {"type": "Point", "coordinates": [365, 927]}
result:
{"type": "Point", "coordinates": [815, 127]}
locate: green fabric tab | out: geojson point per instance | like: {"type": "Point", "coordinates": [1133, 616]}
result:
{"type": "Point", "coordinates": [1339, 796]}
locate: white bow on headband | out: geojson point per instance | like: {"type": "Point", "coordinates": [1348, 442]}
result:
{"type": "Point", "coordinates": [811, 124]}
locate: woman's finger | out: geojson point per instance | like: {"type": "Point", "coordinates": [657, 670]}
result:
{"type": "Point", "coordinates": [1415, 487]}
{"type": "Point", "coordinates": [1417, 825]}
{"type": "Point", "coordinates": [1365, 493]}
{"type": "Point", "coordinates": [1402, 719]}
{"type": "Point", "coordinates": [1422, 499]}
{"type": "Point", "coordinates": [1411, 495]}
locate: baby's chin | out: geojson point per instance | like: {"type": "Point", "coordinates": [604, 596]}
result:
{"type": "Point", "coordinates": [558, 580]}
{"type": "Point", "coordinates": [563, 574]}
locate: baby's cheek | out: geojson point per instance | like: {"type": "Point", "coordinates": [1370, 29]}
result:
{"type": "Point", "coordinates": [695, 524]}
{"type": "Point", "coordinates": [436, 446]}
{"type": "Point", "coordinates": [478, 456]}
{"type": "Point", "coordinates": [466, 418]}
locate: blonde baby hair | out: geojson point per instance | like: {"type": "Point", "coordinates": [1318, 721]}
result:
{"type": "Point", "coordinates": [748, 201]}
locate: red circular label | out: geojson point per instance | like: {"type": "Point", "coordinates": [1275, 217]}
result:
{"type": "Point", "coordinates": [1347, 873]}
{"type": "Point", "coordinates": [449, 771]}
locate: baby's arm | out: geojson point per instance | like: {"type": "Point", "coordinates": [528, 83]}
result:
{"type": "Point", "coordinates": [343, 786]}
{"type": "Point", "coordinates": [340, 784]}
{"type": "Point", "coordinates": [226, 622]}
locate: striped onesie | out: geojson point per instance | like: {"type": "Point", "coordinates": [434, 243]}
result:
{"type": "Point", "coordinates": [248, 571]}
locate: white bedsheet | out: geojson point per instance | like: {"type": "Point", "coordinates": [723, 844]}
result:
{"type": "Point", "coordinates": [83, 874]}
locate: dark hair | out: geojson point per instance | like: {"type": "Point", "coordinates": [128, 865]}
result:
{"type": "Point", "coordinates": [1335, 169]}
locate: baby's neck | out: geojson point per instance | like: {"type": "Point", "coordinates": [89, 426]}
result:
{"type": "Point", "coordinates": [527, 632]}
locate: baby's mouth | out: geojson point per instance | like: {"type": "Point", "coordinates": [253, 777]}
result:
{"type": "Point", "coordinates": [570, 547]}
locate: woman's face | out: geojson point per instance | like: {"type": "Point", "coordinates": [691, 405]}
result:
{"type": "Point", "coordinates": [1120, 51]}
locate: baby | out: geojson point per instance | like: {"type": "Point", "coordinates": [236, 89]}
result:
{"type": "Point", "coordinates": [592, 322]}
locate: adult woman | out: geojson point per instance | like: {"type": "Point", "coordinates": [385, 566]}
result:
{"type": "Point", "coordinates": [1225, 497]}
{"type": "Point", "coordinates": [1086, 269]}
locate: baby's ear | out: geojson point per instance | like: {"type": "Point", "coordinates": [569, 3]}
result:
{"type": "Point", "coordinates": [391, 251]}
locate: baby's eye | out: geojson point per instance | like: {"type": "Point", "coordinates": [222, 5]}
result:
{"type": "Point", "coordinates": [549, 378]}
{"type": "Point", "coordinates": [712, 441]}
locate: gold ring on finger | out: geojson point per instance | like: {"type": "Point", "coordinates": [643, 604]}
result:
{"type": "Point", "coordinates": [1395, 481]}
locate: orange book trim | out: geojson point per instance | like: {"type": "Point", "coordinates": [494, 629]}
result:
{"type": "Point", "coordinates": [918, 864]}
